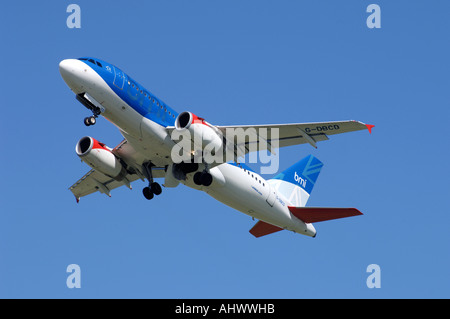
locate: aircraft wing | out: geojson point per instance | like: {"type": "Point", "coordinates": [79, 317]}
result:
{"type": "Point", "coordinates": [291, 134]}
{"type": "Point", "coordinates": [94, 181]}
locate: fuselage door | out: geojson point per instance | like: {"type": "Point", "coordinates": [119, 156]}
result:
{"type": "Point", "coordinates": [119, 78]}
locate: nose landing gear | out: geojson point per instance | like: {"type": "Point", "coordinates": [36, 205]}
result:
{"type": "Point", "coordinates": [90, 120]}
{"type": "Point", "coordinates": [84, 99]}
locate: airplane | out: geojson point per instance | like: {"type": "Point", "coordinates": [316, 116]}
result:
{"type": "Point", "coordinates": [147, 125]}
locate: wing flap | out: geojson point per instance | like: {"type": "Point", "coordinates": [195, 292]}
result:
{"type": "Point", "coordinates": [293, 134]}
{"type": "Point", "coordinates": [94, 181]}
{"type": "Point", "coordinates": [262, 228]}
{"type": "Point", "coordinates": [320, 214]}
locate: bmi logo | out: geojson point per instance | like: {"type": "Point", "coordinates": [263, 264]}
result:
{"type": "Point", "coordinates": [300, 180]}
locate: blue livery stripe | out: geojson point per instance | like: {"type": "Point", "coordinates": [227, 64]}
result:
{"type": "Point", "coordinates": [132, 93]}
{"type": "Point", "coordinates": [304, 173]}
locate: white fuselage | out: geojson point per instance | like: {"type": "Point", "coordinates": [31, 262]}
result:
{"type": "Point", "coordinates": [251, 194]}
{"type": "Point", "coordinates": [232, 185]}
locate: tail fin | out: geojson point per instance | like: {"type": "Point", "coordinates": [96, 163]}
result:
{"type": "Point", "coordinates": [297, 182]}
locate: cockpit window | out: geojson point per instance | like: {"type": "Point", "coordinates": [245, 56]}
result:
{"type": "Point", "coordinates": [92, 61]}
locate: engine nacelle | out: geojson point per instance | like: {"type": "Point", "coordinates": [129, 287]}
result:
{"type": "Point", "coordinates": [98, 156]}
{"type": "Point", "coordinates": [202, 133]}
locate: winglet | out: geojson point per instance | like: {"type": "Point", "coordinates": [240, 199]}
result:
{"type": "Point", "coordinates": [369, 127]}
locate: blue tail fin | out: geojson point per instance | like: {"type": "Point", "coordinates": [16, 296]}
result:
{"type": "Point", "coordinates": [297, 182]}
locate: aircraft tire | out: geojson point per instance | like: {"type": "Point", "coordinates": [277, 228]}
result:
{"type": "Point", "coordinates": [206, 179]}
{"type": "Point", "coordinates": [148, 194]}
{"type": "Point", "coordinates": [197, 178]}
{"type": "Point", "coordinates": [156, 188]}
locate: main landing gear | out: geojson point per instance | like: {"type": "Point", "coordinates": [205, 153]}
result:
{"type": "Point", "coordinates": [153, 188]}
{"type": "Point", "coordinates": [203, 178]}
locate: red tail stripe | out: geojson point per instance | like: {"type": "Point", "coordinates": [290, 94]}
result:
{"type": "Point", "coordinates": [262, 228]}
{"type": "Point", "coordinates": [319, 214]}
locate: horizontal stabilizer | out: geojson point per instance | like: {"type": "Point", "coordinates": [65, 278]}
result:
{"type": "Point", "coordinates": [262, 228]}
{"type": "Point", "coordinates": [319, 214]}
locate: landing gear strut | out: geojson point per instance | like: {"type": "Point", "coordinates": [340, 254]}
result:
{"type": "Point", "coordinates": [153, 188]}
{"type": "Point", "coordinates": [96, 111]}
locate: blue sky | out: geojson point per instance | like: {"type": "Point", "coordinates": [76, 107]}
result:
{"type": "Point", "coordinates": [231, 62]}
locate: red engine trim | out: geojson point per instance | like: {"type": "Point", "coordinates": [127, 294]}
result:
{"type": "Point", "coordinates": [97, 144]}
{"type": "Point", "coordinates": [197, 119]}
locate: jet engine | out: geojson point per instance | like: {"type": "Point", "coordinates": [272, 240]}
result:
{"type": "Point", "coordinates": [202, 133]}
{"type": "Point", "coordinates": [98, 156]}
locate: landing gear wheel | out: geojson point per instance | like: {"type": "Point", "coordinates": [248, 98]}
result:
{"type": "Point", "coordinates": [197, 178]}
{"type": "Point", "coordinates": [147, 193]}
{"type": "Point", "coordinates": [90, 120]}
{"type": "Point", "coordinates": [206, 179]}
{"type": "Point", "coordinates": [156, 188]}
{"type": "Point", "coordinates": [203, 178]}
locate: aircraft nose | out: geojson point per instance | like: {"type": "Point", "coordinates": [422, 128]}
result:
{"type": "Point", "coordinates": [72, 73]}
{"type": "Point", "coordinates": [66, 68]}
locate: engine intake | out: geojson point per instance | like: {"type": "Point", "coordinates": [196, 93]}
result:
{"type": "Point", "coordinates": [98, 156]}
{"type": "Point", "coordinates": [185, 119]}
{"type": "Point", "coordinates": [202, 133]}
